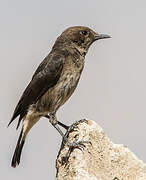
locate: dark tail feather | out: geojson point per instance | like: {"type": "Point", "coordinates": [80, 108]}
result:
{"type": "Point", "coordinates": [18, 150]}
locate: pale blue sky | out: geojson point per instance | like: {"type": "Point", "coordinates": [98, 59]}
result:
{"type": "Point", "coordinates": [112, 90]}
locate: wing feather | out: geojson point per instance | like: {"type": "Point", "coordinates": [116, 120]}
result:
{"type": "Point", "coordinates": [45, 77]}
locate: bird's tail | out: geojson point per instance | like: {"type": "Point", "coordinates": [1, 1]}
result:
{"type": "Point", "coordinates": [18, 150]}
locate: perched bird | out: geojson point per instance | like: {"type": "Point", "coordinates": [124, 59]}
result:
{"type": "Point", "coordinates": [53, 82]}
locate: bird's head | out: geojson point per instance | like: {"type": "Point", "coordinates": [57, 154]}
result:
{"type": "Point", "coordinates": [81, 37]}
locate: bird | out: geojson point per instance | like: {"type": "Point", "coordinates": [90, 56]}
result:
{"type": "Point", "coordinates": [53, 82]}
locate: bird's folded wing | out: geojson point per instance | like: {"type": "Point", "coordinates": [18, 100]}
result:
{"type": "Point", "coordinates": [45, 77]}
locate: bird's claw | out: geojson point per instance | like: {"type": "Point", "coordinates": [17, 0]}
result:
{"type": "Point", "coordinates": [76, 144]}
{"type": "Point", "coordinates": [72, 145]}
{"type": "Point", "coordinates": [73, 128]}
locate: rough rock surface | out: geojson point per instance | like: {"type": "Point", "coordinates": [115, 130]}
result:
{"type": "Point", "coordinates": [100, 159]}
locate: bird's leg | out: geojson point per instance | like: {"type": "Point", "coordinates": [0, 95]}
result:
{"type": "Point", "coordinates": [76, 144]}
{"type": "Point", "coordinates": [54, 122]}
{"type": "Point", "coordinates": [59, 123]}
{"type": "Point", "coordinates": [72, 145]}
{"type": "Point", "coordinates": [63, 125]}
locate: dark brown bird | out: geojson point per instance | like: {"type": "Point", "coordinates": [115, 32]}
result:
{"type": "Point", "coordinates": [53, 82]}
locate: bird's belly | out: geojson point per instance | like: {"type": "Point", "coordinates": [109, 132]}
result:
{"type": "Point", "coordinates": [59, 94]}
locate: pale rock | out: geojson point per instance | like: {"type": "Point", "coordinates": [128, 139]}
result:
{"type": "Point", "coordinates": [100, 159]}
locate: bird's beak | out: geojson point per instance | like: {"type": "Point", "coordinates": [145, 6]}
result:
{"type": "Point", "coordinates": [101, 36]}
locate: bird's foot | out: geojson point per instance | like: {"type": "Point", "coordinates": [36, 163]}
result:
{"type": "Point", "coordinates": [72, 145]}
{"type": "Point", "coordinates": [71, 128]}
{"type": "Point", "coordinates": [74, 126]}
{"type": "Point", "coordinates": [75, 144]}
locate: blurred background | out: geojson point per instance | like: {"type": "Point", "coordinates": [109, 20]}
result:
{"type": "Point", "coordinates": [112, 89]}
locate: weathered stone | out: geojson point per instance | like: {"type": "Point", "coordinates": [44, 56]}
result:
{"type": "Point", "coordinates": [100, 159]}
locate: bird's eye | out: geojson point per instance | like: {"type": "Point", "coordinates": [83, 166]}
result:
{"type": "Point", "coordinates": [84, 32]}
